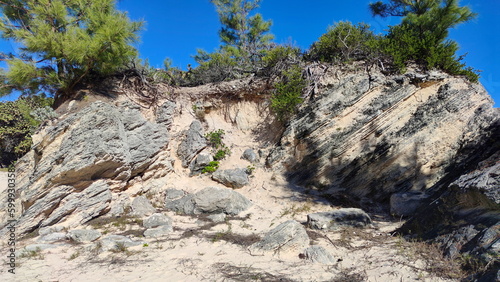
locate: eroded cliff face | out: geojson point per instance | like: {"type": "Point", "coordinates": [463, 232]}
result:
{"type": "Point", "coordinates": [371, 135]}
{"type": "Point", "coordinates": [361, 133]}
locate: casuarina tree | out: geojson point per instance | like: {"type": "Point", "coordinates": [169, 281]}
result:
{"type": "Point", "coordinates": [63, 43]}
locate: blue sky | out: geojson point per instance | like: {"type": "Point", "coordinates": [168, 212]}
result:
{"type": "Point", "coordinates": [176, 28]}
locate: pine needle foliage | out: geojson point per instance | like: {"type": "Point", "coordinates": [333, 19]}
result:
{"type": "Point", "coordinates": [63, 43]}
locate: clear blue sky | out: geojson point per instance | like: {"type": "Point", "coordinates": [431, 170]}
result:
{"type": "Point", "coordinates": [176, 28]}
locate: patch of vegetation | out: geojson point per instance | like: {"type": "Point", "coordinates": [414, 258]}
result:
{"type": "Point", "coordinates": [74, 255]}
{"type": "Point", "coordinates": [211, 167]}
{"type": "Point", "coordinates": [288, 92]}
{"type": "Point", "coordinates": [294, 210]}
{"type": "Point", "coordinates": [18, 121]}
{"type": "Point", "coordinates": [246, 273]}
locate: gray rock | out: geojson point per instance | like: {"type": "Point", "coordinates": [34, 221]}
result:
{"type": "Point", "coordinates": [318, 254]}
{"type": "Point", "coordinates": [201, 161]}
{"type": "Point", "coordinates": [84, 235]}
{"type": "Point", "coordinates": [165, 114]}
{"type": "Point", "coordinates": [82, 207]}
{"type": "Point", "coordinates": [157, 219]}
{"type": "Point", "coordinates": [38, 247]}
{"type": "Point", "coordinates": [141, 206]}
{"type": "Point", "coordinates": [53, 237]}
{"type": "Point", "coordinates": [174, 194]}
{"type": "Point", "coordinates": [114, 242]}
{"type": "Point", "coordinates": [288, 236]}
{"type": "Point", "coordinates": [159, 231]}
{"type": "Point", "coordinates": [219, 217]}
{"type": "Point", "coordinates": [234, 178]}
{"type": "Point", "coordinates": [50, 229]}
{"type": "Point", "coordinates": [212, 200]}
{"type": "Point", "coordinates": [101, 141]}
{"type": "Point", "coordinates": [250, 155]}
{"type": "Point", "coordinates": [406, 203]}
{"type": "Point", "coordinates": [332, 220]}
{"type": "Point", "coordinates": [192, 144]}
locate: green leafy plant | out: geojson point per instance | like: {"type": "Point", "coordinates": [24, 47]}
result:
{"type": "Point", "coordinates": [344, 42]}
{"type": "Point", "coordinates": [211, 167]}
{"type": "Point", "coordinates": [214, 138]}
{"type": "Point", "coordinates": [221, 154]}
{"type": "Point", "coordinates": [288, 93]}
{"type": "Point", "coordinates": [422, 35]}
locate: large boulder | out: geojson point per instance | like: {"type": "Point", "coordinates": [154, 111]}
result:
{"type": "Point", "coordinates": [65, 173]}
{"type": "Point", "coordinates": [210, 200]}
{"type": "Point", "coordinates": [193, 143]}
{"type": "Point", "coordinates": [332, 220]}
{"type": "Point", "coordinates": [201, 161]}
{"type": "Point", "coordinates": [234, 178]}
{"type": "Point", "coordinates": [84, 235]}
{"type": "Point", "coordinates": [289, 236]}
{"type": "Point", "coordinates": [318, 254]}
{"type": "Point", "coordinates": [157, 219]}
{"type": "Point", "coordinates": [406, 203]}
{"type": "Point", "coordinates": [141, 206]}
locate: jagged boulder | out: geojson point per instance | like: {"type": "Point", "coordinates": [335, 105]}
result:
{"type": "Point", "coordinates": [332, 220]}
{"type": "Point", "coordinates": [234, 178]}
{"type": "Point", "coordinates": [165, 114]}
{"type": "Point", "coordinates": [193, 143]}
{"type": "Point", "coordinates": [141, 206]}
{"type": "Point", "coordinates": [318, 254]}
{"type": "Point", "coordinates": [211, 200]}
{"type": "Point", "coordinates": [287, 237]}
{"type": "Point", "coordinates": [201, 161]}
{"type": "Point", "coordinates": [157, 219]}
{"type": "Point", "coordinates": [250, 155]}
{"type": "Point", "coordinates": [159, 231]}
{"type": "Point", "coordinates": [53, 237]}
{"type": "Point", "coordinates": [84, 235]}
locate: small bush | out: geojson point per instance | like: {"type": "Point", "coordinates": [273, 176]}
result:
{"type": "Point", "coordinates": [288, 93]}
{"type": "Point", "coordinates": [221, 154]}
{"type": "Point", "coordinates": [280, 58]}
{"type": "Point", "coordinates": [344, 42]}
{"type": "Point", "coordinates": [214, 138]}
{"type": "Point", "coordinates": [211, 167]}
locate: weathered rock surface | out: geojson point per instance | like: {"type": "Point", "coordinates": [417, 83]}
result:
{"type": "Point", "coordinates": [368, 134]}
{"type": "Point", "coordinates": [250, 155]}
{"type": "Point", "coordinates": [159, 231]}
{"type": "Point", "coordinates": [286, 237]}
{"type": "Point", "coordinates": [165, 114]}
{"type": "Point", "coordinates": [157, 219]}
{"type": "Point", "coordinates": [318, 254]}
{"type": "Point", "coordinates": [234, 178]}
{"type": "Point", "coordinates": [53, 237]}
{"type": "Point", "coordinates": [192, 144]}
{"type": "Point", "coordinates": [210, 200]}
{"type": "Point", "coordinates": [84, 235]}
{"type": "Point", "coordinates": [201, 161]}
{"type": "Point", "coordinates": [141, 206]}
{"type": "Point", "coordinates": [332, 220]}
{"type": "Point", "coordinates": [406, 203]}
{"type": "Point", "coordinates": [57, 178]}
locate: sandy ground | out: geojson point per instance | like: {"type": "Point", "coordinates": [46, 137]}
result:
{"type": "Point", "coordinates": [200, 250]}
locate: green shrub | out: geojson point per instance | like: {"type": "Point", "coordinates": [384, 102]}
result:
{"type": "Point", "coordinates": [344, 42]}
{"type": "Point", "coordinates": [280, 58]}
{"type": "Point", "coordinates": [211, 167]}
{"type": "Point", "coordinates": [221, 154]}
{"type": "Point", "coordinates": [18, 120]}
{"type": "Point", "coordinates": [288, 93]}
{"type": "Point", "coordinates": [214, 138]}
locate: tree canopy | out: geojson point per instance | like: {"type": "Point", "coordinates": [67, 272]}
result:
{"type": "Point", "coordinates": [63, 43]}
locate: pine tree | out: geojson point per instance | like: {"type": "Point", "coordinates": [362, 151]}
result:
{"type": "Point", "coordinates": [423, 32]}
{"type": "Point", "coordinates": [63, 43]}
{"type": "Point", "coordinates": [245, 37]}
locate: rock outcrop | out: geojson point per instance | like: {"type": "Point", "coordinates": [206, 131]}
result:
{"type": "Point", "coordinates": [289, 236]}
{"type": "Point", "coordinates": [66, 175]}
{"type": "Point", "coordinates": [211, 200]}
